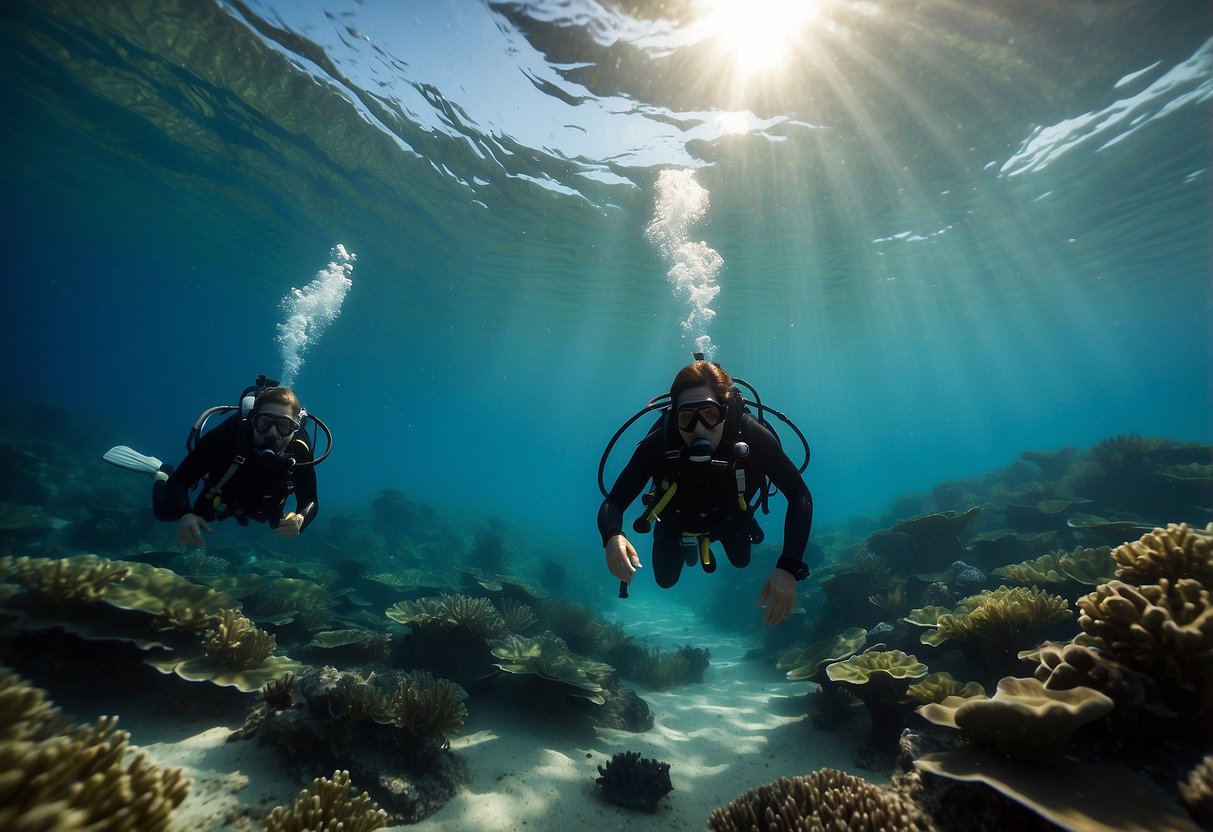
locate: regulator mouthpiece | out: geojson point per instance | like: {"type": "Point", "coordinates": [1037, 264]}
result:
{"type": "Point", "coordinates": [701, 449]}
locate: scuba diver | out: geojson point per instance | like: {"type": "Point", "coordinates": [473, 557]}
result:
{"type": "Point", "coordinates": [250, 464]}
{"type": "Point", "coordinates": [709, 460]}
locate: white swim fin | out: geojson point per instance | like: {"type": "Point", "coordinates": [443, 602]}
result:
{"type": "Point", "coordinates": [129, 458]}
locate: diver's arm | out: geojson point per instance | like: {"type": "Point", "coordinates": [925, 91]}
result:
{"type": "Point", "coordinates": [628, 486]}
{"type": "Point", "coordinates": [621, 558]}
{"type": "Point", "coordinates": [172, 500]}
{"type": "Point", "coordinates": [307, 502]}
{"type": "Point", "coordinates": [773, 461]}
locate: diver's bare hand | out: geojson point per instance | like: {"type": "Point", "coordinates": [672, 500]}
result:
{"type": "Point", "coordinates": [779, 596]}
{"type": "Point", "coordinates": [189, 530]}
{"type": "Point", "coordinates": [621, 558]}
{"type": "Point", "coordinates": [290, 526]}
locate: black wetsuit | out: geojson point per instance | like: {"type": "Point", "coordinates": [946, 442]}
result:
{"type": "Point", "coordinates": [706, 500]}
{"type": "Point", "coordinates": [257, 491]}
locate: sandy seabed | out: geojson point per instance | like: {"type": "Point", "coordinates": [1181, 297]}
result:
{"type": "Point", "coordinates": [744, 726]}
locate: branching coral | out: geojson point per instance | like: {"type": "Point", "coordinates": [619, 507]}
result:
{"type": "Point", "coordinates": [475, 616]}
{"type": "Point", "coordinates": [999, 622]}
{"type": "Point", "coordinates": [1197, 791]}
{"type": "Point", "coordinates": [69, 582]}
{"type": "Point", "coordinates": [827, 799]}
{"type": "Point", "coordinates": [1043, 570]}
{"type": "Point", "coordinates": [426, 706]}
{"type": "Point", "coordinates": [236, 643]}
{"type": "Point", "coordinates": [326, 805]}
{"type": "Point", "coordinates": [1176, 552]}
{"type": "Point", "coordinates": [280, 693]}
{"type": "Point", "coordinates": [517, 615]}
{"type": "Point", "coordinates": [79, 780]}
{"type": "Point", "coordinates": [355, 699]}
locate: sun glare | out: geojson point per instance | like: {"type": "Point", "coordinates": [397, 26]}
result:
{"type": "Point", "coordinates": [759, 34]}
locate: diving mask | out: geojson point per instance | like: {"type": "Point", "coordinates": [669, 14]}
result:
{"type": "Point", "coordinates": [282, 425]}
{"type": "Point", "coordinates": [709, 412]}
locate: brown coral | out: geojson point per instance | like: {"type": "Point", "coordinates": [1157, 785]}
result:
{"type": "Point", "coordinates": [426, 706]}
{"type": "Point", "coordinates": [939, 686]}
{"type": "Point", "coordinates": [326, 805]}
{"type": "Point", "coordinates": [1197, 791]}
{"type": "Point", "coordinates": [1001, 621]}
{"type": "Point", "coordinates": [69, 582]}
{"type": "Point", "coordinates": [827, 799]}
{"type": "Point", "coordinates": [1023, 719]}
{"type": "Point", "coordinates": [1163, 630]}
{"type": "Point", "coordinates": [1174, 553]}
{"type": "Point", "coordinates": [50, 780]}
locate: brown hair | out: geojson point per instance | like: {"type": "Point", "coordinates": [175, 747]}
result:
{"type": "Point", "coordinates": [703, 372]}
{"type": "Point", "coordinates": [279, 395]}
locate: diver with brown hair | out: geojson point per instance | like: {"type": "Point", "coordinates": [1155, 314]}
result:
{"type": "Point", "coordinates": [249, 465]}
{"type": "Point", "coordinates": [709, 461]}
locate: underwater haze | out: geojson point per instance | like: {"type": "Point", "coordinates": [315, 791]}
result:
{"type": "Point", "coordinates": [935, 235]}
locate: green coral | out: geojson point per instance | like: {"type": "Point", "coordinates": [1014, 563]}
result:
{"type": "Point", "coordinates": [1045, 569]}
{"type": "Point", "coordinates": [939, 686]}
{"type": "Point", "coordinates": [547, 658]}
{"type": "Point", "coordinates": [326, 806]}
{"type": "Point", "coordinates": [1089, 565]}
{"type": "Point", "coordinates": [64, 583]}
{"type": "Point", "coordinates": [236, 643]}
{"type": "Point", "coordinates": [474, 616]}
{"type": "Point", "coordinates": [805, 662]}
{"type": "Point", "coordinates": [426, 706]}
{"type": "Point", "coordinates": [1001, 621]}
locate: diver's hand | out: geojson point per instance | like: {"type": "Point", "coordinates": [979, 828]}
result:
{"type": "Point", "coordinates": [290, 526]}
{"type": "Point", "coordinates": [779, 596]}
{"type": "Point", "coordinates": [189, 530]}
{"type": "Point", "coordinates": [621, 558]}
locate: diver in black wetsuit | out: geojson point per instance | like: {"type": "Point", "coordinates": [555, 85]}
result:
{"type": "Point", "coordinates": [708, 459]}
{"type": "Point", "coordinates": [250, 464]}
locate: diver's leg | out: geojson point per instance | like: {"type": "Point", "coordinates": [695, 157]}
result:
{"type": "Point", "coordinates": [667, 554]}
{"type": "Point", "coordinates": [735, 537]}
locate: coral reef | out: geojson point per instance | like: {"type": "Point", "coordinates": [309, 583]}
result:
{"type": "Point", "coordinates": [424, 706]}
{"type": "Point", "coordinates": [937, 687]}
{"type": "Point", "coordinates": [827, 799]}
{"type": "Point", "coordinates": [1088, 565]}
{"type": "Point", "coordinates": [996, 624]}
{"type": "Point", "coordinates": [1023, 720]}
{"type": "Point", "coordinates": [474, 616]}
{"type": "Point", "coordinates": [634, 781]}
{"type": "Point", "coordinates": [86, 779]}
{"type": "Point", "coordinates": [880, 678]}
{"type": "Point", "coordinates": [1197, 791]}
{"type": "Point", "coordinates": [385, 730]}
{"type": "Point", "coordinates": [1173, 553]}
{"type": "Point", "coordinates": [326, 805]}
{"type": "Point", "coordinates": [547, 658]}
{"type": "Point", "coordinates": [1079, 797]}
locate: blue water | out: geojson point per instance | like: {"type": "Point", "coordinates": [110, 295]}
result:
{"type": "Point", "coordinates": [945, 239]}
